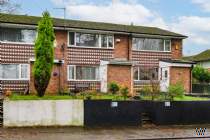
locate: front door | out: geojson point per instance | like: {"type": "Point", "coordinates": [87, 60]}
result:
{"type": "Point", "coordinates": [164, 79]}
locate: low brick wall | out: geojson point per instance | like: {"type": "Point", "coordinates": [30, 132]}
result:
{"type": "Point", "coordinates": [43, 113]}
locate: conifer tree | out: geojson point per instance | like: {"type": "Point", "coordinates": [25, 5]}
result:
{"type": "Point", "coordinates": [44, 54]}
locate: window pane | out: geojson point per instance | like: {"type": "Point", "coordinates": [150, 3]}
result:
{"type": "Point", "coordinates": [71, 72]}
{"type": "Point", "coordinates": [86, 73]}
{"type": "Point", "coordinates": [10, 71]}
{"type": "Point", "coordinates": [71, 38]}
{"type": "Point", "coordinates": [17, 35]}
{"type": "Point", "coordinates": [167, 45]}
{"type": "Point", "coordinates": [24, 71]}
{"type": "Point", "coordinates": [110, 41]}
{"type": "Point", "coordinates": [104, 41]}
{"type": "Point", "coordinates": [28, 36]}
{"type": "Point", "coordinates": [144, 74]}
{"type": "Point", "coordinates": [148, 44]}
{"type": "Point", "coordinates": [153, 44]}
{"type": "Point", "coordinates": [87, 40]}
{"type": "Point", "coordinates": [136, 73]}
{"type": "Point", "coordinates": [138, 43]}
{"type": "Point", "coordinates": [148, 73]}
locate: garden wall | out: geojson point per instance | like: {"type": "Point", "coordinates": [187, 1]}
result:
{"type": "Point", "coordinates": [43, 113]}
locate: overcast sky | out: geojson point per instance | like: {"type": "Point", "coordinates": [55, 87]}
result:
{"type": "Point", "coordinates": [188, 17]}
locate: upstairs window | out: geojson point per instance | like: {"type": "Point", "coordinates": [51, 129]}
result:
{"type": "Point", "coordinates": [78, 39]}
{"type": "Point", "coordinates": [14, 71]}
{"type": "Point", "coordinates": [17, 35]}
{"type": "Point", "coordinates": [148, 44]}
{"type": "Point", "coordinates": [88, 40]}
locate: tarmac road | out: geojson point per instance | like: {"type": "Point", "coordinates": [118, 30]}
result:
{"type": "Point", "coordinates": [102, 133]}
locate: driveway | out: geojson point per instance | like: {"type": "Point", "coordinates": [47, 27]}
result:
{"type": "Point", "coordinates": [99, 133]}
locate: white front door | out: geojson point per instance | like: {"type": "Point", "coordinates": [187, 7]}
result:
{"type": "Point", "coordinates": [164, 78]}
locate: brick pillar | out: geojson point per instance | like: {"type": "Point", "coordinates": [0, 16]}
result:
{"type": "Point", "coordinates": [121, 74]}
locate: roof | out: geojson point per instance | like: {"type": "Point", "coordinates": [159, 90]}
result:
{"type": "Point", "coordinates": [203, 56]}
{"type": "Point", "coordinates": [177, 61]}
{"type": "Point", "coordinates": [119, 61]}
{"type": "Point", "coordinates": [33, 20]}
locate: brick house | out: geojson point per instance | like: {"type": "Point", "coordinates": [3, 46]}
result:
{"type": "Point", "coordinates": [89, 55]}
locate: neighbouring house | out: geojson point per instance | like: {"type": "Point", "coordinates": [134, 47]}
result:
{"type": "Point", "coordinates": [202, 59]}
{"type": "Point", "coordinates": [89, 55]}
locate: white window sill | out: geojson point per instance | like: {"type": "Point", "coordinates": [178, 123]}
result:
{"type": "Point", "coordinates": [14, 79]}
{"type": "Point", "coordinates": [73, 46]}
{"type": "Point", "coordinates": [18, 43]}
{"type": "Point", "coordinates": [152, 51]}
{"type": "Point", "coordinates": [84, 80]}
{"type": "Point", "coordinates": [144, 80]}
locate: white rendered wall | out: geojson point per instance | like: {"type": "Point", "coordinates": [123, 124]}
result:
{"type": "Point", "coordinates": [43, 113]}
{"type": "Point", "coordinates": [103, 75]}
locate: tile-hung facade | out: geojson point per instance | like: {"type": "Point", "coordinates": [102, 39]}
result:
{"type": "Point", "coordinates": [89, 55]}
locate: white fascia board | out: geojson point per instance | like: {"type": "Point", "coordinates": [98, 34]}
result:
{"type": "Point", "coordinates": [56, 61]}
{"type": "Point", "coordinates": [168, 64]}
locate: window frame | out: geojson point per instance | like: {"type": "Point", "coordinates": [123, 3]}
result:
{"type": "Point", "coordinates": [138, 80]}
{"type": "Point", "coordinates": [21, 43]}
{"type": "Point", "coordinates": [19, 73]}
{"type": "Point", "coordinates": [164, 45]}
{"type": "Point", "coordinates": [97, 47]}
{"type": "Point", "coordinates": [75, 70]}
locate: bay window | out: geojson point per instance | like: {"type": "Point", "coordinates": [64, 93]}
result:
{"type": "Point", "coordinates": [79, 39]}
{"type": "Point", "coordinates": [83, 73]}
{"type": "Point", "coordinates": [148, 44]}
{"type": "Point", "coordinates": [17, 35]}
{"type": "Point", "coordinates": [142, 73]}
{"type": "Point", "coordinates": [14, 71]}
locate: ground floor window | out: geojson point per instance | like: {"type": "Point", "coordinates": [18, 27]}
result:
{"type": "Point", "coordinates": [14, 71]}
{"type": "Point", "coordinates": [83, 73]}
{"type": "Point", "coordinates": [144, 73]}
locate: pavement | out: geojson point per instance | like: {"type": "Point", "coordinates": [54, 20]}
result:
{"type": "Point", "coordinates": [105, 133]}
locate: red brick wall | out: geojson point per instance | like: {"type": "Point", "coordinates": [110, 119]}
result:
{"type": "Point", "coordinates": [176, 48]}
{"type": "Point", "coordinates": [61, 77]}
{"type": "Point", "coordinates": [146, 58]}
{"type": "Point", "coordinates": [121, 75]}
{"type": "Point", "coordinates": [121, 48]}
{"type": "Point", "coordinates": [180, 74]}
{"type": "Point", "coordinates": [61, 53]}
{"type": "Point", "coordinates": [87, 56]}
{"type": "Point", "coordinates": [53, 87]}
{"type": "Point", "coordinates": [16, 53]}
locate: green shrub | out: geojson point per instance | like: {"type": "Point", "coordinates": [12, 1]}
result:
{"type": "Point", "coordinates": [146, 91]}
{"type": "Point", "coordinates": [44, 55]}
{"type": "Point", "coordinates": [176, 90]}
{"type": "Point", "coordinates": [124, 91]}
{"type": "Point", "coordinates": [113, 87]}
{"type": "Point", "coordinates": [201, 74]}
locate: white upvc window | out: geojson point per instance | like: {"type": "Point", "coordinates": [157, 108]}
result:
{"type": "Point", "coordinates": [87, 73]}
{"type": "Point", "coordinates": [150, 44]}
{"type": "Point", "coordinates": [17, 35]}
{"type": "Point", "coordinates": [142, 73]}
{"type": "Point", "coordinates": [90, 40]}
{"type": "Point", "coordinates": [14, 72]}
